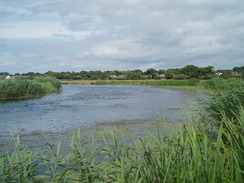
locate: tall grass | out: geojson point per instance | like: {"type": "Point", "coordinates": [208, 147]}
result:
{"type": "Point", "coordinates": [148, 82]}
{"type": "Point", "coordinates": [188, 156]}
{"type": "Point", "coordinates": [24, 88]}
{"type": "Point", "coordinates": [220, 84]}
{"type": "Point", "coordinates": [228, 99]}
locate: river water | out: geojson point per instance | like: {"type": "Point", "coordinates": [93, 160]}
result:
{"type": "Point", "coordinates": [87, 105]}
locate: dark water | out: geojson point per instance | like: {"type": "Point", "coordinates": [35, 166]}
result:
{"type": "Point", "coordinates": [86, 105]}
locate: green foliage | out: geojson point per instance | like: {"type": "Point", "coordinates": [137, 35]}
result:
{"type": "Point", "coordinates": [191, 155]}
{"type": "Point", "coordinates": [180, 76]}
{"type": "Point", "coordinates": [239, 70]}
{"type": "Point", "coordinates": [169, 75]}
{"type": "Point", "coordinates": [148, 82]}
{"type": "Point", "coordinates": [190, 71]}
{"type": "Point", "coordinates": [19, 166]}
{"type": "Point", "coordinates": [24, 88]}
{"type": "Point", "coordinates": [228, 100]}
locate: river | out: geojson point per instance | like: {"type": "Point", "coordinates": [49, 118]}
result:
{"type": "Point", "coordinates": [85, 105]}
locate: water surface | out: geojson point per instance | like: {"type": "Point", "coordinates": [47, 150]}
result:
{"type": "Point", "coordinates": [87, 105]}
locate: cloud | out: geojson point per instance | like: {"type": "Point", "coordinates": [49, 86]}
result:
{"type": "Point", "coordinates": [71, 35]}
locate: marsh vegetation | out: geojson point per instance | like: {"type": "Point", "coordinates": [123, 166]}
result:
{"type": "Point", "coordinates": [16, 88]}
{"type": "Point", "coordinates": [208, 148]}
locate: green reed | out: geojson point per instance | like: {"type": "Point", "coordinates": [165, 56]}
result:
{"type": "Point", "coordinates": [148, 82]}
{"type": "Point", "coordinates": [25, 88]}
{"type": "Point", "coordinates": [227, 100]}
{"type": "Point", "coordinates": [191, 155]}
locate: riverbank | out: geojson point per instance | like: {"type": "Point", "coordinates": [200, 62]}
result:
{"type": "Point", "coordinates": [21, 88]}
{"type": "Point", "coordinates": [152, 82]}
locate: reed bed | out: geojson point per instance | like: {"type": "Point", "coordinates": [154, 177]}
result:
{"type": "Point", "coordinates": [163, 82]}
{"type": "Point", "coordinates": [228, 98]}
{"type": "Point", "coordinates": [188, 156]}
{"type": "Point", "coordinates": [26, 88]}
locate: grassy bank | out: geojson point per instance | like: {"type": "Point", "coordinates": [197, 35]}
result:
{"type": "Point", "coordinates": [27, 88]}
{"type": "Point", "coordinates": [148, 82]}
{"type": "Point", "coordinates": [76, 81]}
{"type": "Point", "coordinates": [162, 82]}
{"type": "Point", "coordinates": [208, 148]}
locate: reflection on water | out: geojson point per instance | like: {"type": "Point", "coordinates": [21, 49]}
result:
{"type": "Point", "coordinates": [87, 105]}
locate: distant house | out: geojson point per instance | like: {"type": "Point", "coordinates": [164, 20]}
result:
{"type": "Point", "coordinates": [113, 76]}
{"type": "Point", "coordinates": [236, 74]}
{"type": "Point", "coordinates": [162, 75]}
{"type": "Point", "coordinates": [8, 77]}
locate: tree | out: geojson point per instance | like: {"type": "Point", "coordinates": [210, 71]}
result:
{"type": "Point", "coordinates": [239, 70]}
{"type": "Point", "coordinates": [161, 71]}
{"type": "Point", "coordinates": [226, 74]}
{"type": "Point", "coordinates": [4, 73]}
{"type": "Point", "coordinates": [152, 73]}
{"type": "Point", "coordinates": [191, 71]}
{"type": "Point", "coordinates": [169, 75]}
{"type": "Point", "coordinates": [181, 76]}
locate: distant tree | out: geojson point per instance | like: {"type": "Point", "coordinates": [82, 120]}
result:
{"type": "Point", "coordinates": [4, 73]}
{"type": "Point", "coordinates": [169, 75]}
{"type": "Point", "coordinates": [161, 71]}
{"type": "Point", "coordinates": [173, 71]}
{"type": "Point", "coordinates": [133, 75]}
{"type": "Point", "coordinates": [225, 74]}
{"type": "Point", "coordinates": [138, 71]}
{"type": "Point", "coordinates": [239, 70]}
{"type": "Point", "coordinates": [50, 74]}
{"type": "Point", "coordinates": [152, 73]}
{"type": "Point", "coordinates": [181, 76]}
{"type": "Point", "coordinates": [191, 71]}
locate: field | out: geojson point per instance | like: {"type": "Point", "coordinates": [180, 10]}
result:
{"type": "Point", "coordinates": [208, 148]}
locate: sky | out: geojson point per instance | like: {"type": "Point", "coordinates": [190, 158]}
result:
{"type": "Point", "coordinates": [75, 35]}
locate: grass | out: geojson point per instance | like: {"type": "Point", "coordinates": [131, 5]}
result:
{"type": "Point", "coordinates": [27, 88]}
{"type": "Point", "coordinates": [228, 98]}
{"type": "Point", "coordinates": [76, 81]}
{"type": "Point", "coordinates": [189, 156]}
{"type": "Point", "coordinates": [148, 82]}
{"type": "Point", "coordinates": [163, 82]}
{"type": "Point", "coordinates": [199, 152]}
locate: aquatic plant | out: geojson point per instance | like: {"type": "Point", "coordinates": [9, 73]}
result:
{"type": "Point", "coordinates": [25, 88]}
{"type": "Point", "coordinates": [147, 82]}
{"type": "Point", "coordinates": [228, 100]}
{"type": "Point", "coordinates": [191, 155]}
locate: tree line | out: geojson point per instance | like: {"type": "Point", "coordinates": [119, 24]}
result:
{"type": "Point", "coordinates": [187, 72]}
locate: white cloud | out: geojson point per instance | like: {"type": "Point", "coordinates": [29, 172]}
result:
{"type": "Point", "coordinates": [100, 34]}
